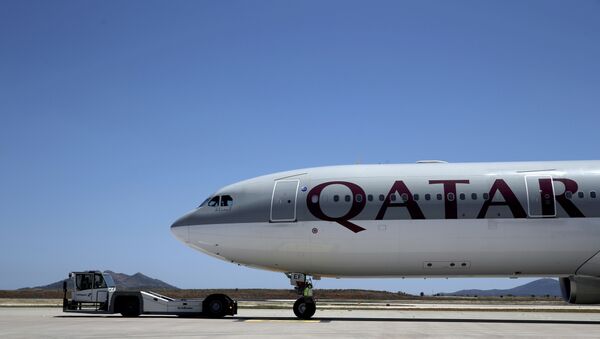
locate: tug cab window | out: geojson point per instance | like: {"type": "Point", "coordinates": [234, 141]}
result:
{"type": "Point", "coordinates": [84, 281]}
{"type": "Point", "coordinates": [108, 280]}
{"type": "Point", "coordinates": [99, 281]}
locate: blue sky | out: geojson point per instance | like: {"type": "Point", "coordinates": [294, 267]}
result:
{"type": "Point", "coordinates": [116, 117]}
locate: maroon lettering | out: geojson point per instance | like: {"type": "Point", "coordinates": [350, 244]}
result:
{"type": "Point", "coordinates": [405, 199]}
{"type": "Point", "coordinates": [450, 201]}
{"type": "Point", "coordinates": [510, 200]}
{"type": "Point", "coordinates": [314, 206]}
{"type": "Point", "coordinates": [410, 204]}
{"type": "Point", "coordinates": [566, 203]}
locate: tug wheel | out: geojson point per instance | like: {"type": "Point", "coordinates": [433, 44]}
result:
{"type": "Point", "coordinates": [215, 306]}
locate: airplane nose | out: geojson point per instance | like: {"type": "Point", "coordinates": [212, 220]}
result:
{"type": "Point", "coordinates": [181, 233]}
{"type": "Point", "coordinates": [180, 228]}
{"type": "Point", "coordinates": [185, 220]}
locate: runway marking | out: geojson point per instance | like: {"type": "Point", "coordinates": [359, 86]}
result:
{"type": "Point", "coordinates": [280, 321]}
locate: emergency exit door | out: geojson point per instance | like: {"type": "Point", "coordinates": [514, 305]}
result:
{"type": "Point", "coordinates": [283, 202]}
{"type": "Point", "coordinates": [540, 196]}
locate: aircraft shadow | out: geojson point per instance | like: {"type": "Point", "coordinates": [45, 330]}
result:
{"type": "Point", "coordinates": [428, 320]}
{"type": "Point", "coordinates": [355, 319]}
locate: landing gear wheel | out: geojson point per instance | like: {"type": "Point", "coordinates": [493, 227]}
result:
{"type": "Point", "coordinates": [305, 307]}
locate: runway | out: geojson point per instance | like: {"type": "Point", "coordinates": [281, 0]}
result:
{"type": "Point", "coordinates": [27, 322]}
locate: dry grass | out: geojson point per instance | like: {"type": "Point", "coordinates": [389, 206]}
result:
{"type": "Point", "coordinates": [268, 294]}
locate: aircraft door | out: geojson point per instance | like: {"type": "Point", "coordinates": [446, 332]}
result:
{"type": "Point", "coordinates": [540, 196]}
{"type": "Point", "coordinates": [283, 201]}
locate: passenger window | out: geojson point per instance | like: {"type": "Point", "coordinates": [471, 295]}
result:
{"type": "Point", "coordinates": [593, 194]}
{"type": "Point", "coordinates": [336, 198]}
{"type": "Point", "coordinates": [416, 197]}
{"type": "Point", "coordinates": [486, 196]}
{"type": "Point", "coordinates": [370, 197]}
{"type": "Point", "coordinates": [462, 196]}
{"type": "Point", "coordinates": [474, 196]}
{"type": "Point", "coordinates": [214, 201]}
{"type": "Point", "coordinates": [568, 194]}
{"type": "Point", "coordinates": [347, 198]}
{"type": "Point", "coordinates": [393, 197]}
{"type": "Point", "coordinates": [226, 201]}
{"type": "Point", "coordinates": [439, 196]}
{"type": "Point", "coordinates": [404, 197]}
{"type": "Point", "coordinates": [450, 196]}
{"type": "Point", "coordinates": [427, 196]}
{"type": "Point", "coordinates": [381, 197]}
{"type": "Point", "coordinates": [358, 198]}
{"type": "Point", "coordinates": [580, 195]}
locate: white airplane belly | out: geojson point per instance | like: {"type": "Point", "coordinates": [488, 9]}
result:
{"type": "Point", "coordinates": [491, 247]}
{"type": "Point", "coordinates": [463, 247]}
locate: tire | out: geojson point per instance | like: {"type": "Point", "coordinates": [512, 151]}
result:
{"type": "Point", "coordinates": [129, 307]}
{"type": "Point", "coordinates": [215, 306]}
{"type": "Point", "coordinates": [305, 307]}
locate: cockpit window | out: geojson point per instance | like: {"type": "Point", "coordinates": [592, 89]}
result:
{"type": "Point", "coordinates": [226, 201]}
{"type": "Point", "coordinates": [204, 202]}
{"type": "Point", "coordinates": [219, 201]}
{"type": "Point", "coordinates": [214, 201]}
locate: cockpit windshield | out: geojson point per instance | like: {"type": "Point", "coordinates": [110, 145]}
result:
{"type": "Point", "coordinates": [214, 201]}
{"type": "Point", "coordinates": [226, 201]}
{"type": "Point", "coordinates": [218, 201]}
{"type": "Point", "coordinates": [204, 202]}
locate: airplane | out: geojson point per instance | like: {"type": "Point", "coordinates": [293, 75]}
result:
{"type": "Point", "coordinates": [427, 219]}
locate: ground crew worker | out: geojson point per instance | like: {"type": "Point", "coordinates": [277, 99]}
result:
{"type": "Point", "coordinates": [308, 291]}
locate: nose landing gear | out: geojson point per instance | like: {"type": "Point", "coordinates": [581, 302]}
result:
{"type": "Point", "coordinates": [305, 306]}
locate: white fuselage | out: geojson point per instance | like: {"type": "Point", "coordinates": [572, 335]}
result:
{"type": "Point", "coordinates": [495, 219]}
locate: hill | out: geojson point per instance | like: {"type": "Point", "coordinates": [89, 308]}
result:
{"type": "Point", "coordinates": [123, 281]}
{"type": "Point", "coordinates": [138, 281]}
{"type": "Point", "coordinates": [540, 287]}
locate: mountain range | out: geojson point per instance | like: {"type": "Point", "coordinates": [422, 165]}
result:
{"type": "Point", "coordinates": [538, 288]}
{"type": "Point", "coordinates": [123, 281]}
{"type": "Point", "coordinates": [138, 281]}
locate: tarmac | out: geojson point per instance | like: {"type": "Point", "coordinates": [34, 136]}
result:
{"type": "Point", "coordinates": [432, 321]}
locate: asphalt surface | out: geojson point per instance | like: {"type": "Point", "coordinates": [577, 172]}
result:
{"type": "Point", "coordinates": [28, 322]}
